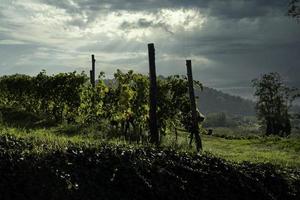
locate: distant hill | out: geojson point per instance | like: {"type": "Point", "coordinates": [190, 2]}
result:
{"type": "Point", "coordinates": [212, 100]}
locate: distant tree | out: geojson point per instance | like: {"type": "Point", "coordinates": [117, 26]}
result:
{"type": "Point", "coordinates": [274, 102]}
{"type": "Point", "coordinates": [294, 9]}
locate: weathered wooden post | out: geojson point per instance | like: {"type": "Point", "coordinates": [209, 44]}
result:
{"type": "Point", "coordinates": [154, 137]}
{"type": "Point", "coordinates": [195, 129]}
{"type": "Point", "coordinates": [92, 72]}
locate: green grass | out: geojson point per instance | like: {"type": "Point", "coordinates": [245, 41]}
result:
{"type": "Point", "coordinates": [237, 144]}
{"type": "Point", "coordinates": [49, 140]}
{"type": "Point", "coordinates": [284, 152]}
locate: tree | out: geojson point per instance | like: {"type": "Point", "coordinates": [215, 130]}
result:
{"type": "Point", "coordinates": [294, 9]}
{"type": "Point", "coordinates": [274, 102]}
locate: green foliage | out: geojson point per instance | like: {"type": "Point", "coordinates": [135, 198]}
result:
{"type": "Point", "coordinates": [91, 103]}
{"type": "Point", "coordinates": [274, 102]}
{"type": "Point", "coordinates": [122, 106]}
{"type": "Point", "coordinates": [19, 118]}
{"type": "Point", "coordinates": [56, 96]}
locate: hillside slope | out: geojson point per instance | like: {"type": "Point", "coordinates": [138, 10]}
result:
{"type": "Point", "coordinates": [211, 101]}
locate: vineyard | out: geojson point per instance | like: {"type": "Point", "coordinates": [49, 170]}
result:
{"type": "Point", "coordinates": [209, 109]}
{"type": "Point", "coordinates": [122, 104]}
{"type": "Point", "coordinates": [108, 149]}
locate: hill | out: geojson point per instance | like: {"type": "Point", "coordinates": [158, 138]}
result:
{"type": "Point", "coordinates": [212, 101]}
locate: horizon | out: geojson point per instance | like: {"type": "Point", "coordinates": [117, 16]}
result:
{"type": "Point", "coordinates": [229, 43]}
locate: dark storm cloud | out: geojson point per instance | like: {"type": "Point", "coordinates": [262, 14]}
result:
{"type": "Point", "coordinates": [234, 9]}
{"type": "Point", "coordinates": [244, 36]}
{"type": "Point", "coordinates": [234, 38]}
{"type": "Point", "coordinates": [239, 40]}
{"type": "Point", "coordinates": [237, 9]}
{"type": "Point", "coordinates": [221, 8]}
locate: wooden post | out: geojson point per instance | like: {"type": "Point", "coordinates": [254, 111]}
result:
{"type": "Point", "coordinates": [195, 129]}
{"type": "Point", "coordinates": [91, 77]}
{"type": "Point", "coordinates": [92, 72]}
{"type": "Point", "coordinates": [154, 134]}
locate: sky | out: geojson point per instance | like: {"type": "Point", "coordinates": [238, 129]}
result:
{"type": "Point", "coordinates": [230, 42]}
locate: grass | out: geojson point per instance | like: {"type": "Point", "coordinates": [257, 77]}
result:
{"type": "Point", "coordinates": [49, 140]}
{"type": "Point", "coordinates": [233, 144]}
{"type": "Point", "coordinates": [284, 152]}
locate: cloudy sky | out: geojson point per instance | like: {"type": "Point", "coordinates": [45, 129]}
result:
{"type": "Point", "coordinates": [229, 41]}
